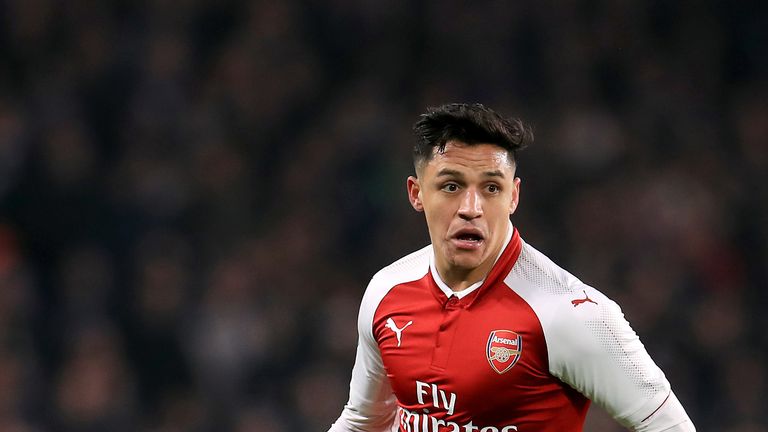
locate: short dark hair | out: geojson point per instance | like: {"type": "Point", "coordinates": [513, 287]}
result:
{"type": "Point", "coordinates": [470, 124]}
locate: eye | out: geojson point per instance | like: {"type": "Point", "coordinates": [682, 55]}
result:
{"type": "Point", "coordinates": [450, 187]}
{"type": "Point", "coordinates": [492, 188]}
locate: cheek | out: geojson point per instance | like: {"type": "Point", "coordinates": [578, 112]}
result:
{"type": "Point", "coordinates": [438, 217]}
{"type": "Point", "coordinates": [502, 207]}
{"type": "Point", "coordinates": [438, 207]}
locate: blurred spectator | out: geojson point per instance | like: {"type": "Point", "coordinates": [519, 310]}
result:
{"type": "Point", "coordinates": [95, 388]}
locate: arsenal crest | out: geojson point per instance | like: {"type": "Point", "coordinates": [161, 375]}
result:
{"type": "Point", "coordinates": [503, 349]}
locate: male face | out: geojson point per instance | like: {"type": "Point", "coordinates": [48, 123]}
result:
{"type": "Point", "coordinates": [467, 194]}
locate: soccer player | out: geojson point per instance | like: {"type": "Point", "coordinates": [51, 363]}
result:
{"type": "Point", "coordinates": [479, 331]}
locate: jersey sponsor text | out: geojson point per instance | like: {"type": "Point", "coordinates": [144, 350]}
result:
{"type": "Point", "coordinates": [414, 422]}
{"type": "Point", "coordinates": [411, 421]}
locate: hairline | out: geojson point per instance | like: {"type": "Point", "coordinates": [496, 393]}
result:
{"type": "Point", "coordinates": [421, 161]}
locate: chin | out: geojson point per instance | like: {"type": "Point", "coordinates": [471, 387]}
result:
{"type": "Point", "coordinates": [467, 262]}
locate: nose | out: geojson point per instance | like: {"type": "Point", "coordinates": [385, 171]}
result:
{"type": "Point", "coordinates": [471, 205]}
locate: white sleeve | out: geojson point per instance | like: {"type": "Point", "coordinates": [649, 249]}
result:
{"type": "Point", "coordinates": [593, 349]}
{"type": "Point", "coordinates": [372, 404]}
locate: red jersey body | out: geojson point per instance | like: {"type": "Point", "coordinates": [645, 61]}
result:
{"type": "Point", "coordinates": [525, 350]}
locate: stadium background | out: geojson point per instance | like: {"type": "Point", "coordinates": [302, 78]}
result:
{"type": "Point", "coordinates": [194, 194]}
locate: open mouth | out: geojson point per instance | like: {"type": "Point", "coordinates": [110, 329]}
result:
{"type": "Point", "coordinates": [468, 239]}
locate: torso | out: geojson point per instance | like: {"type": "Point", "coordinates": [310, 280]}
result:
{"type": "Point", "coordinates": [478, 363]}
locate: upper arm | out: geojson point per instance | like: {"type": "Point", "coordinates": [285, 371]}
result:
{"type": "Point", "coordinates": [372, 404]}
{"type": "Point", "coordinates": [593, 349]}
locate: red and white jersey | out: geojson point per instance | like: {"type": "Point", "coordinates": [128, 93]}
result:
{"type": "Point", "coordinates": [525, 350]}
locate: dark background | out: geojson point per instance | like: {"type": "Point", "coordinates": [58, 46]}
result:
{"type": "Point", "coordinates": [194, 194]}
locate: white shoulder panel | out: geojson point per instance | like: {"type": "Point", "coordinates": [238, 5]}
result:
{"type": "Point", "coordinates": [592, 347]}
{"type": "Point", "coordinates": [372, 405]}
{"type": "Point", "coordinates": [407, 269]}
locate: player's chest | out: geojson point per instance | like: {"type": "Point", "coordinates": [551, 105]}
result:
{"type": "Point", "coordinates": [438, 352]}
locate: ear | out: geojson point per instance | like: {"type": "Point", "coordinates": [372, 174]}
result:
{"type": "Point", "coordinates": [515, 196]}
{"type": "Point", "coordinates": [414, 193]}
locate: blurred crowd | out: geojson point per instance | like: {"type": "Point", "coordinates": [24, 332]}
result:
{"type": "Point", "coordinates": [194, 194]}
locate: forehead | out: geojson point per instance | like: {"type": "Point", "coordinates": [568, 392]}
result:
{"type": "Point", "coordinates": [461, 156]}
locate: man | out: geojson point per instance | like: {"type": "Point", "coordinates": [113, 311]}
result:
{"type": "Point", "coordinates": [481, 332]}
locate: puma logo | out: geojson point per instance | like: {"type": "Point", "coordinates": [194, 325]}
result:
{"type": "Point", "coordinates": [586, 298]}
{"type": "Point", "coordinates": [398, 331]}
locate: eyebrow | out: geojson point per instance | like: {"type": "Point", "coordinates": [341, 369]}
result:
{"type": "Point", "coordinates": [447, 172]}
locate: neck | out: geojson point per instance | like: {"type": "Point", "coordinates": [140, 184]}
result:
{"type": "Point", "coordinates": [459, 279]}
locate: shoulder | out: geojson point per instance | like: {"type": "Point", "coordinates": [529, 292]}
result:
{"type": "Point", "coordinates": [537, 278]}
{"type": "Point", "coordinates": [566, 307]}
{"type": "Point", "coordinates": [409, 268]}
{"type": "Point", "coordinates": [590, 344]}
{"type": "Point", "coordinates": [406, 269]}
